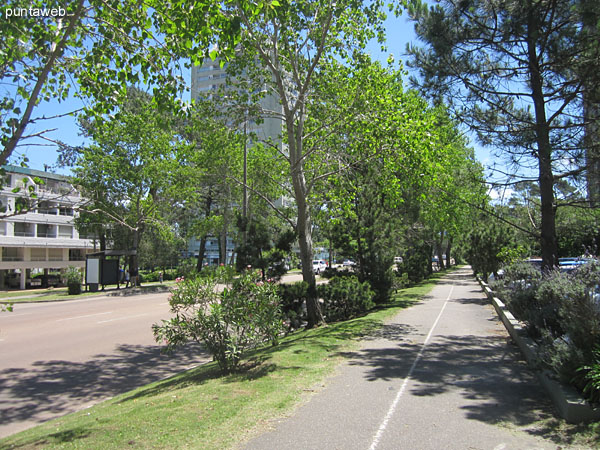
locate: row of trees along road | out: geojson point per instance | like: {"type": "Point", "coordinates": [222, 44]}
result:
{"type": "Point", "coordinates": [524, 76]}
{"type": "Point", "coordinates": [332, 124]}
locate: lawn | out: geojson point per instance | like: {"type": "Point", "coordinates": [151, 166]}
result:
{"type": "Point", "coordinates": [202, 408]}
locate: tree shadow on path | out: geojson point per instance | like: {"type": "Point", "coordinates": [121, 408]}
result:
{"type": "Point", "coordinates": [488, 373]}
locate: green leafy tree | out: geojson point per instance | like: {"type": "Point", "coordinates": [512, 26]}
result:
{"type": "Point", "coordinates": [202, 184]}
{"type": "Point", "coordinates": [485, 245]}
{"type": "Point", "coordinates": [285, 50]}
{"type": "Point", "coordinates": [125, 171]}
{"type": "Point", "coordinates": [90, 49]}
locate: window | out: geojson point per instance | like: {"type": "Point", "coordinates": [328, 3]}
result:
{"type": "Point", "coordinates": [65, 231]}
{"type": "Point", "coordinates": [55, 254]}
{"type": "Point", "coordinates": [12, 254]}
{"type": "Point", "coordinates": [65, 211]}
{"type": "Point", "coordinates": [47, 231]}
{"type": "Point", "coordinates": [23, 229]}
{"type": "Point", "coordinates": [76, 254]}
{"type": "Point", "coordinates": [38, 254]}
{"type": "Point", "coordinates": [46, 208]}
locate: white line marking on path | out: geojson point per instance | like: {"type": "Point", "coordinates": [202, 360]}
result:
{"type": "Point", "coordinates": [83, 317]}
{"type": "Point", "coordinates": [124, 318]}
{"type": "Point", "coordinates": [394, 405]}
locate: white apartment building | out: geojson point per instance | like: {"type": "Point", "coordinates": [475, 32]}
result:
{"type": "Point", "coordinates": [209, 77]}
{"type": "Point", "coordinates": [45, 237]}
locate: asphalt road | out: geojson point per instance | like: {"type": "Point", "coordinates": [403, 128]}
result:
{"type": "Point", "coordinates": [441, 375]}
{"type": "Point", "coordinates": [60, 357]}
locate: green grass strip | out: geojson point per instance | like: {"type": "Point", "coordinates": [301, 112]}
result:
{"type": "Point", "coordinates": [61, 293]}
{"type": "Point", "coordinates": [201, 408]}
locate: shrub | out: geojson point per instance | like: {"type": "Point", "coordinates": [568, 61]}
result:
{"type": "Point", "coordinates": [381, 280]}
{"type": "Point", "coordinates": [73, 277]}
{"type": "Point", "coordinates": [562, 312]}
{"type": "Point", "coordinates": [417, 263]}
{"type": "Point", "coordinates": [345, 297]}
{"type": "Point", "coordinates": [293, 298]}
{"type": "Point", "coordinates": [521, 281]}
{"type": "Point", "coordinates": [401, 281]}
{"type": "Point", "coordinates": [590, 378]}
{"type": "Point", "coordinates": [244, 315]}
{"type": "Point", "coordinates": [331, 272]}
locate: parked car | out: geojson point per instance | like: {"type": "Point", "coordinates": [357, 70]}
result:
{"type": "Point", "coordinates": [571, 264]}
{"type": "Point", "coordinates": [319, 266]}
{"type": "Point", "coordinates": [348, 263]}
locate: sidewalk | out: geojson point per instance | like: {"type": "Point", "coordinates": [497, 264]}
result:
{"type": "Point", "coordinates": [441, 375]}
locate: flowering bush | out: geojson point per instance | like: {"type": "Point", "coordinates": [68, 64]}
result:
{"type": "Point", "coordinates": [244, 315]}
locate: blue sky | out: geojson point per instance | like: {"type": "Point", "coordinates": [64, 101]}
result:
{"type": "Point", "coordinates": [400, 31]}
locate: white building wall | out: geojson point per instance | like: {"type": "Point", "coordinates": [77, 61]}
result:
{"type": "Point", "coordinates": [49, 235]}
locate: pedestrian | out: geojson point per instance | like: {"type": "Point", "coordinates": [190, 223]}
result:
{"type": "Point", "coordinates": [126, 278]}
{"type": "Point", "coordinates": [160, 277]}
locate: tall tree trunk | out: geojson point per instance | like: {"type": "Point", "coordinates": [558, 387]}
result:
{"type": "Point", "coordinates": [223, 237]}
{"type": "Point", "coordinates": [202, 249]}
{"type": "Point", "coordinates": [590, 16]}
{"type": "Point", "coordinates": [304, 230]}
{"type": "Point", "coordinates": [549, 242]}
{"type": "Point", "coordinates": [133, 266]}
{"type": "Point", "coordinates": [303, 225]}
{"type": "Point", "coordinates": [448, 249]}
{"type": "Point", "coordinates": [439, 252]}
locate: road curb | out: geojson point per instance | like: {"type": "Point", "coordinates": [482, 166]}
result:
{"type": "Point", "coordinates": [570, 405]}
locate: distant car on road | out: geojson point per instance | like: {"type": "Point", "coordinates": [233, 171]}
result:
{"type": "Point", "coordinates": [319, 266]}
{"type": "Point", "coordinates": [348, 263]}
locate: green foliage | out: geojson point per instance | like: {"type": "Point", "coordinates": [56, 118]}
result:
{"type": "Point", "coordinates": [94, 52]}
{"type": "Point", "coordinates": [578, 231]}
{"type": "Point", "coordinates": [416, 263]}
{"type": "Point", "coordinates": [562, 312]}
{"type": "Point", "coordinates": [591, 378]}
{"type": "Point", "coordinates": [244, 315]}
{"type": "Point", "coordinates": [345, 298]}
{"type": "Point", "coordinates": [73, 277]}
{"type": "Point", "coordinates": [510, 255]}
{"type": "Point", "coordinates": [402, 280]}
{"type": "Point", "coordinates": [293, 297]}
{"type": "Point", "coordinates": [487, 67]}
{"type": "Point", "coordinates": [521, 281]}
{"type": "Point", "coordinates": [484, 244]}
{"type": "Point", "coordinates": [263, 249]}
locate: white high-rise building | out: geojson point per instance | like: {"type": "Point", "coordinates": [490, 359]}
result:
{"type": "Point", "coordinates": [44, 238]}
{"type": "Point", "coordinates": [209, 77]}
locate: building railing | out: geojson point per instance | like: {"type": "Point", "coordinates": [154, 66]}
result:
{"type": "Point", "coordinates": [46, 235]}
{"type": "Point", "coordinates": [24, 233]}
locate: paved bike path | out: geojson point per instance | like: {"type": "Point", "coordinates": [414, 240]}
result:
{"type": "Point", "coordinates": [440, 375]}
